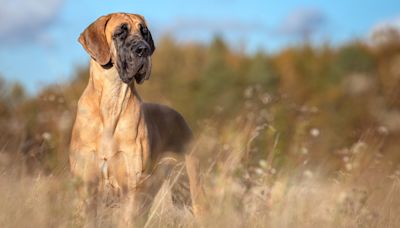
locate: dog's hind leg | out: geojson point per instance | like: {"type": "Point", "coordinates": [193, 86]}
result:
{"type": "Point", "coordinates": [152, 184]}
{"type": "Point", "coordinates": [186, 188]}
{"type": "Point", "coordinates": [199, 202]}
{"type": "Point", "coordinates": [180, 187]}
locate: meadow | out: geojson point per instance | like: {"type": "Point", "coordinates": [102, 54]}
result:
{"type": "Point", "coordinates": [304, 137]}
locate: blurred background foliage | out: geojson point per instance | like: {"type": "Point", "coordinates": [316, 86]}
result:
{"type": "Point", "coordinates": [308, 99]}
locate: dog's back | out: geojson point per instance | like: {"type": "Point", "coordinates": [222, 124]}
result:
{"type": "Point", "coordinates": [169, 130]}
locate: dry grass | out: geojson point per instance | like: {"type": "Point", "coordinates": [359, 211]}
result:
{"type": "Point", "coordinates": [363, 192]}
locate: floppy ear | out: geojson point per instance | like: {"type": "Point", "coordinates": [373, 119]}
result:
{"type": "Point", "coordinates": [149, 40]}
{"type": "Point", "coordinates": [93, 40]}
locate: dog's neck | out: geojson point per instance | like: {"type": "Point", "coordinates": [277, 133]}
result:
{"type": "Point", "coordinates": [114, 95]}
{"type": "Point", "coordinates": [120, 109]}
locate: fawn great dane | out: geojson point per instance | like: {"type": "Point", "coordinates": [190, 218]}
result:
{"type": "Point", "coordinates": [118, 142]}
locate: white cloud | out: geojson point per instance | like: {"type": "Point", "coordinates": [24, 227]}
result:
{"type": "Point", "coordinates": [302, 22]}
{"type": "Point", "coordinates": [26, 19]}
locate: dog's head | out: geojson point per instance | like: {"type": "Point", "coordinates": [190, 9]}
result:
{"type": "Point", "coordinates": [123, 41]}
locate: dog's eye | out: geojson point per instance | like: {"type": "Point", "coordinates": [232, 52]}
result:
{"type": "Point", "coordinates": [121, 31]}
{"type": "Point", "coordinates": [124, 27]}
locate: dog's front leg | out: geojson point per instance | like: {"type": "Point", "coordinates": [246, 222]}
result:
{"type": "Point", "coordinates": [127, 206]}
{"type": "Point", "coordinates": [127, 169]}
{"type": "Point", "coordinates": [84, 167]}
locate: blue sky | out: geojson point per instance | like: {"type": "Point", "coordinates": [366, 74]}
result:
{"type": "Point", "coordinates": [38, 38]}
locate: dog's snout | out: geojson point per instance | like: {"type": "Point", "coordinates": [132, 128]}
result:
{"type": "Point", "coordinates": [142, 50]}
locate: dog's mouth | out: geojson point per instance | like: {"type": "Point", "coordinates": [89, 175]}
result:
{"type": "Point", "coordinates": [139, 75]}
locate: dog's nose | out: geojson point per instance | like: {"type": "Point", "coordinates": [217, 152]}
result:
{"type": "Point", "coordinates": [141, 50]}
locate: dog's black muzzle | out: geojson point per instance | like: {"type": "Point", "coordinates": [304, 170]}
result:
{"type": "Point", "coordinates": [132, 58]}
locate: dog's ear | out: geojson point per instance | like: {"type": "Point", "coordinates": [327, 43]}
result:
{"type": "Point", "coordinates": [149, 40]}
{"type": "Point", "coordinates": [147, 37]}
{"type": "Point", "coordinates": [94, 41]}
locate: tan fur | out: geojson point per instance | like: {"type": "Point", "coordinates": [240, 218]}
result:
{"type": "Point", "coordinates": [117, 140]}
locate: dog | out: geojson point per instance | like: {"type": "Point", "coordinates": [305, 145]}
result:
{"type": "Point", "coordinates": [119, 144]}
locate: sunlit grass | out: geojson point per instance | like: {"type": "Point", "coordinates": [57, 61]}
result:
{"type": "Point", "coordinates": [241, 191]}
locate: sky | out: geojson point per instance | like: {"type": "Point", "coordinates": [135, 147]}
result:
{"type": "Point", "coordinates": [38, 38]}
